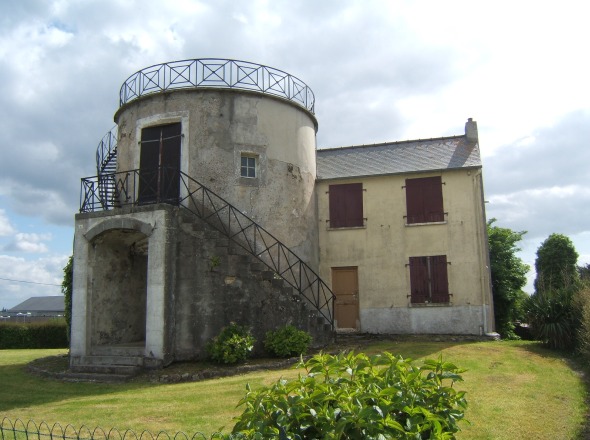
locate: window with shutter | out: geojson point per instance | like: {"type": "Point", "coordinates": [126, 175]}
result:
{"type": "Point", "coordinates": [346, 205]}
{"type": "Point", "coordinates": [424, 200]}
{"type": "Point", "coordinates": [429, 280]}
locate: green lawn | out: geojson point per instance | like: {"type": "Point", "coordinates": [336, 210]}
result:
{"type": "Point", "coordinates": [515, 390]}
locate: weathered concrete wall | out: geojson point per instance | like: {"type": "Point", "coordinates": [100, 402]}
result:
{"type": "Point", "coordinates": [381, 250]}
{"type": "Point", "coordinates": [164, 269]}
{"type": "Point", "coordinates": [119, 283]}
{"type": "Point", "coordinates": [219, 283]}
{"type": "Point", "coordinates": [217, 127]}
{"type": "Point", "coordinates": [122, 286]}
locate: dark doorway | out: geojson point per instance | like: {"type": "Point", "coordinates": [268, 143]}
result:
{"type": "Point", "coordinates": [159, 164]}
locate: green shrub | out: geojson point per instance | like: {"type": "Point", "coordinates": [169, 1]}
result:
{"type": "Point", "coordinates": [233, 344]}
{"type": "Point", "coordinates": [52, 334]}
{"type": "Point", "coordinates": [553, 318]}
{"type": "Point", "coordinates": [354, 396]}
{"type": "Point", "coordinates": [582, 302]}
{"type": "Point", "coordinates": [287, 341]}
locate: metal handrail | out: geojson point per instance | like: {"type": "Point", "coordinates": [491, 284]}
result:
{"type": "Point", "coordinates": [128, 187]}
{"type": "Point", "coordinates": [106, 162]}
{"type": "Point", "coordinates": [217, 73]}
{"type": "Point", "coordinates": [106, 152]}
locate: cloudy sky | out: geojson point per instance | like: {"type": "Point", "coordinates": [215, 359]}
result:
{"type": "Point", "coordinates": [380, 70]}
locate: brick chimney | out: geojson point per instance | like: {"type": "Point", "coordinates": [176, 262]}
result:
{"type": "Point", "coordinates": [471, 130]}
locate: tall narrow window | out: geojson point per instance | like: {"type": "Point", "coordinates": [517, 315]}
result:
{"type": "Point", "coordinates": [346, 205]}
{"type": "Point", "coordinates": [429, 281]}
{"type": "Point", "coordinates": [424, 200]}
{"type": "Point", "coordinates": [248, 166]}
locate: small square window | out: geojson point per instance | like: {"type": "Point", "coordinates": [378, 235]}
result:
{"type": "Point", "coordinates": [248, 166]}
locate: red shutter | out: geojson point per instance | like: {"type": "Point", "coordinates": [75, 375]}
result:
{"type": "Point", "coordinates": [419, 279]}
{"type": "Point", "coordinates": [170, 162]}
{"type": "Point", "coordinates": [346, 205]}
{"type": "Point", "coordinates": [413, 201]}
{"type": "Point", "coordinates": [149, 160]}
{"type": "Point", "coordinates": [424, 202]}
{"type": "Point", "coordinates": [337, 208]}
{"type": "Point", "coordinates": [433, 202]}
{"type": "Point", "coordinates": [440, 280]}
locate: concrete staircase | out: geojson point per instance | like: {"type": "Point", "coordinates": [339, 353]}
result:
{"type": "Point", "coordinates": [117, 363]}
{"type": "Point", "coordinates": [244, 262]}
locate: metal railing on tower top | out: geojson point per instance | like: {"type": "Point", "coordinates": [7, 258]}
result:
{"type": "Point", "coordinates": [216, 73]}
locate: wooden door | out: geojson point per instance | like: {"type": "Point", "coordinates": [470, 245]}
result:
{"type": "Point", "coordinates": [159, 164]}
{"type": "Point", "coordinates": [345, 286]}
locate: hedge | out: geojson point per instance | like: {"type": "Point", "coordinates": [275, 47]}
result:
{"type": "Point", "coordinates": [52, 334]}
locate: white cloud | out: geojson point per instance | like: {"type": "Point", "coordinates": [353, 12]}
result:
{"type": "Point", "coordinates": [5, 227]}
{"type": "Point", "coordinates": [29, 242]}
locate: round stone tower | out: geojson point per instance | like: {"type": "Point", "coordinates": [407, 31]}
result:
{"type": "Point", "coordinates": [245, 131]}
{"type": "Point", "coordinates": [203, 213]}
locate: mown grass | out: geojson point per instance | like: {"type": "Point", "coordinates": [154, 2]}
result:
{"type": "Point", "coordinates": [515, 390]}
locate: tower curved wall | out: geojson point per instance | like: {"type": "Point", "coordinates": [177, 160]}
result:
{"type": "Point", "coordinates": [219, 126]}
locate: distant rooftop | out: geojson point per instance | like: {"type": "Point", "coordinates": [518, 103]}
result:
{"type": "Point", "coordinates": [445, 153]}
{"type": "Point", "coordinates": [41, 304]}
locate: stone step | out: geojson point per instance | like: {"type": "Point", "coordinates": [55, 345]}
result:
{"type": "Point", "coordinates": [119, 370]}
{"type": "Point", "coordinates": [134, 350]}
{"type": "Point", "coordinates": [110, 360]}
{"type": "Point", "coordinates": [95, 377]}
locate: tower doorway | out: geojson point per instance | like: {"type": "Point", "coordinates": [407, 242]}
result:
{"type": "Point", "coordinates": [159, 164]}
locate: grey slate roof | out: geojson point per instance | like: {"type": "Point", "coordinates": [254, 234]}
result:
{"type": "Point", "coordinates": [398, 157]}
{"type": "Point", "coordinates": [41, 304]}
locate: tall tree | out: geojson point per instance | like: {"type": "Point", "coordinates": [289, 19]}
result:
{"type": "Point", "coordinates": [584, 272]}
{"type": "Point", "coordinates": [508, 276]}
{"type": "Point", "coordinates": [556, 264]}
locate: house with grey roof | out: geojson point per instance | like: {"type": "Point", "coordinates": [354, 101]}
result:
{"type": "Point", "coordinates": [402, 236]}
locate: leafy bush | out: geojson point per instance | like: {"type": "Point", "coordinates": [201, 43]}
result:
{"type": "Point", "coordinates": [354, 396]}
{"type": "Point", "coordinates": [52, 334]}
{"type": "Point", "coordinates": [287, 341]}
{"type": "Point", "coordinates": [553, 318]}
{"type": "Point", "coordinates": [233, 344]}
{"type": "Point", "coordinates": [582, 302]}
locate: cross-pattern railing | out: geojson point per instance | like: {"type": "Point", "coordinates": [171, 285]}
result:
{"type": "Point", "coordinates": [168, 185]}
{"type": "Point", "coordinates": [220, 73]}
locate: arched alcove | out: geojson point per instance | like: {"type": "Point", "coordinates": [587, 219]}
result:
{"type": "Point", "coordinates": [118, 289]}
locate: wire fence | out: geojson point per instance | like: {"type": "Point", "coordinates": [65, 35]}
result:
{"type": "Point", "coordinates": [20, 430]}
